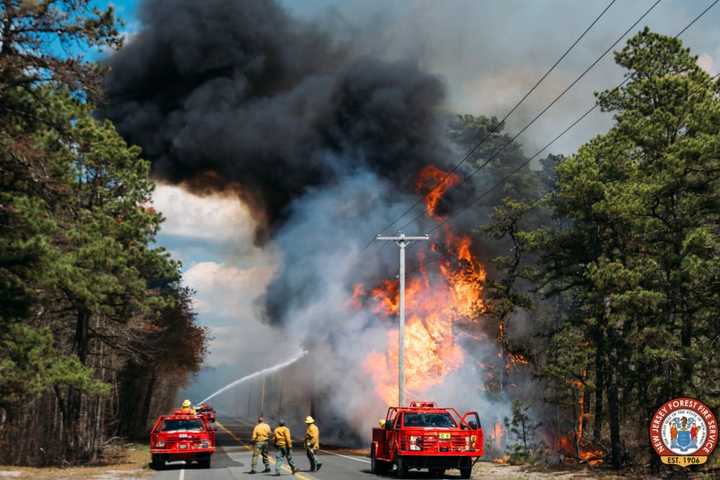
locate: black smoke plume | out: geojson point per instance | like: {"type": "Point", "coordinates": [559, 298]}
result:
{"type": "Point", "coordinates": [238, 95]}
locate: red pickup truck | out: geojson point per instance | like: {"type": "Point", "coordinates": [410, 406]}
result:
{"type": "Point", "coordinates": [182, 437]}
{"type": "Point", "coordinates": [425, 436]}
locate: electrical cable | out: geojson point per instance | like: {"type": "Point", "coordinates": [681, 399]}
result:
{"type": "Point", "coordinates": [550, 105]}
{"type": "Point", "coordinates": [472, 150]}
{"type": "Point", "coordinates": [561, 134]}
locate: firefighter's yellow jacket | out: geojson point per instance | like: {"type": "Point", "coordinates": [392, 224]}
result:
{"type": "Point", "coordinates": [282, 437]}
{"type": "Point", "coordinates": [261, 433]}
{"type": "Point", "coordinates": [312, 437]}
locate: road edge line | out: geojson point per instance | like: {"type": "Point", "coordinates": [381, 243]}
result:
{"type": "Point", "coordinates": [357, 459]}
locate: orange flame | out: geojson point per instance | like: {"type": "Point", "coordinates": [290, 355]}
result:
{"type": "Point", "coordinates": [565, 445]}
{"type": "Point", "coordinates": [437, 297]}
{"type": "Point", "coordinates": [433, 183]}
{"type": "Point", "coordinates": [498, 434]}
{"type": "Point", "coordinates": [357, 295]}
{"type": "Point", "coordinates": [515, 360]}
{"type": "Point", "coordinates": [592, 456]}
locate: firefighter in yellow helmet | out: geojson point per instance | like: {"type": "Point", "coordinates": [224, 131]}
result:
{"type": "Point", "coordinates": [283, 442]}
{"type": "Point", "coordinates": [187, 408]}
{"type": "Point", "coordinates": [260, 438]}
{"type": "Point", "coordinates": [312, 443]}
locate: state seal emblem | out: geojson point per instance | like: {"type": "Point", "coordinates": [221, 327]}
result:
{"type": "Point", "coordinates": [684, 431]}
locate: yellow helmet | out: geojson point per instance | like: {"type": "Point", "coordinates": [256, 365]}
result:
{"type": "Point", "coordinates": [186, 404]}
{"type": "Point", "coordinates": [381, 422]}
{"type": "Point", "coordinates": [309, 419]}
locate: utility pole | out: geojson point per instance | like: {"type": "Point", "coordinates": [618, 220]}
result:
{"type": "Point", "coordinates": [402, 241]}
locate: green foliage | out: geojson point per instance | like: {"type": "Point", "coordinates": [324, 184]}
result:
{"type": "Point", "coordinates": [497, 156]}
{"type": "Point", "coordinates": [83, 286]}
{"type": "Point", "coordinates": [31, 364]}
{"type": "Point", "coordinates": [85, 295]}
{"type": "Point", "coordinates": [637, 247]}
{"type": "Point", "coordinates": [47, 40]}
{"type": "Point", "coordinates": [523, 431]}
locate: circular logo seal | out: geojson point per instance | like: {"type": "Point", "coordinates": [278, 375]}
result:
{"type": "Point", "coordinates": [684, 431]}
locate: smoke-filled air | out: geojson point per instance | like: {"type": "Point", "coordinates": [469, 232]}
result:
{"type": "Point", "coordinates": [326, 146]}
{"type": "Point", "coordinates": [474, 237]}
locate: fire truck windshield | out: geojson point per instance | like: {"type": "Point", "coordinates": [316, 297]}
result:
{"type": "Point", "coordinates": [182, 425]}
{"type": "Point", "coordinates": [438, 420]}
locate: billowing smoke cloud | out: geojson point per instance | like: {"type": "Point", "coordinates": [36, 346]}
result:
{"type": "Point", "coordinates": [239, 95]}
{"type": "Point", "coordinates": [321, 141]}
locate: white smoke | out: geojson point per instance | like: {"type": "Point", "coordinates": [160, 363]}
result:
{"type": "Point", "coordinates": [324, 256]}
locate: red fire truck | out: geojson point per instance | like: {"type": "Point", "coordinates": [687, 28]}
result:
{"type": "Point", "coordinates": [425, 436]}
{"type": "Point", "coordinates": [182, 437]}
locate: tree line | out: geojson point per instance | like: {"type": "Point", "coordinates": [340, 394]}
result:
{"type": "Point", "coordinates": [97, 332]}
{"type": "Point", "coordinates": [609, 254]}
{"type": "Point", "coordinates": [613, 253]}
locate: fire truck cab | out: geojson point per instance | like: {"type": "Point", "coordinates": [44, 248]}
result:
{"type": "Point", "coordinates": [425, 436]}
{"type": "Point", "coordinates": [182, 437]}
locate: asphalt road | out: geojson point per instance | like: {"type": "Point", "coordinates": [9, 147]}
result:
{"type": "Point", "coordinates": [231, 461]}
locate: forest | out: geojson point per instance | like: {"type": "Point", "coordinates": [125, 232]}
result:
{"type": "Point", "coordinates": [612, 252]}
{"type": "Point", "coordinates": [97, 332]}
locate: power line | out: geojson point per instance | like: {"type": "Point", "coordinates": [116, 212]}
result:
{"type": "Point", "coordinates": [491, 131]}
{"type": "Point", "coordinates": [571, 126]}
{"type": "Point", "coordinates": [550, 105]}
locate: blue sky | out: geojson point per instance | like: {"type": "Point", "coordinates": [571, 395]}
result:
{"type": "Point", "coordinates": [488, 53]}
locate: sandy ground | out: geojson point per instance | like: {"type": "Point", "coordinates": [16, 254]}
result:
{"type": "Point", "coordinates": [495, 471]}
{"type": "Point", "coordinates": [133, 467]}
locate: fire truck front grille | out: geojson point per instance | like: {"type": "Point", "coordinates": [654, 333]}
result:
{"type": "Point", "coordinates": [458, 441]}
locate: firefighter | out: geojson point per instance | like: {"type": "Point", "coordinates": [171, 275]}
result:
{"type": "Point", "coordinates": [260, 437]}
{"type": "Point", "coordinates": [283, 442]}
{"type": "Point", "coordinates": [312, 443]}
{"type": "Point", "coordinates": [187, 408]}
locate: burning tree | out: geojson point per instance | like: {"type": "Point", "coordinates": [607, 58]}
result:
{"type": "Point", "coordinates": [440, 296]}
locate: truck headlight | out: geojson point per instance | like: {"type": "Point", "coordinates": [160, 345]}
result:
{"type": "Point", "coordinates": [204, 444]}
{"type": "Point", "coordinates": [160, 444]}
{"type": "Point", "coordinates": [415, 442]}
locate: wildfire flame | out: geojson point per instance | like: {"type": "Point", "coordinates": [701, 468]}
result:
{"type": "Point", "coordinates": [585, 452]}
{"type": "Point", "coordinates": [437, 297]}
{"type": "Point", "coordinates": [433, 183]}
{"type": "Point", "coordinates": [498, 435]}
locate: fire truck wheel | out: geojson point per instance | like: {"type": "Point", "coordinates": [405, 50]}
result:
{"type": "Point", "coordinates": [157, 462]}
{"type": "Point", "coordinates": [402, 467]}
{"type": "Point", "coordinates": [204, 462]}
{"type": "Point", "coordinates": [466, 469]}
{"type": "Point", "coordinates": [437, 472]}
{"type": "Point", "coordinates": [378, 467]}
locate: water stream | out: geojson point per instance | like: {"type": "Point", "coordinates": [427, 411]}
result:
{"type": "Point", "coordinates": [257, 374]}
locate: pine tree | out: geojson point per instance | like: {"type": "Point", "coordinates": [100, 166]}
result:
{"type": "Point", "coordinates": [639, 246]}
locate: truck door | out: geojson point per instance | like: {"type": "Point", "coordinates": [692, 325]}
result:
{"type": "Point", "coordinates": [472, 420]}
{"type": "Point", "coordinates": [390, 427]}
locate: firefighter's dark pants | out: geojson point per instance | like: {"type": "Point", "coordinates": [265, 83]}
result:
{"type": "Point", "coordinates": [283, 453]}
{"type": "Point", "coordinates": [314, 465]}
{"type": "Point", "coordinates": [261, 449]}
